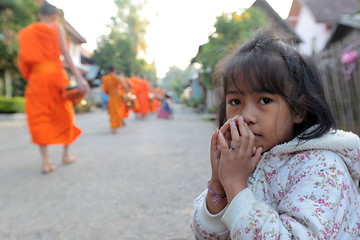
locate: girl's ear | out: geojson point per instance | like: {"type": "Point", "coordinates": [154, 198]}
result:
{"type": "Point", "coordinates": [301, 110]}
{"type": "Point", "coordinates": [298, 118]}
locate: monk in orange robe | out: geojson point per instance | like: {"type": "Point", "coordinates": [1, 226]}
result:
{"type": "Point", "coordinates": [144, 100]}
{"type": "Point", "coordinates": [151, 95]}
{"type": "Point", "coordinates": [135, 88]}
{"type": "Point", "coordinates": [115, 89]}
{"type": "Point", "coordinates": [50, 116]}
{"type": "Point", "coordinates": [126, 88]}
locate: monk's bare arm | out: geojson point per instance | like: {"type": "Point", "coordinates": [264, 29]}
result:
{"type": "Point", "coordinates": [123, 84]}
{"type": "Point", "coordinates": [82, 83]}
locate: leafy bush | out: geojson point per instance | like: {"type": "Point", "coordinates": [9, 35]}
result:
{"type": "Point", "coordinates": [12, 105]}
{"type": "Point", "coordinates": [192, 103]}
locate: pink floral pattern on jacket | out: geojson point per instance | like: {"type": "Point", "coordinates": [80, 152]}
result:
{"type": "Point", "coordinates": [301, 191]}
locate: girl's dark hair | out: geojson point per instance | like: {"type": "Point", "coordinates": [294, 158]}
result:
{"type": "Point", "coordinates": [47, 9]}
{"type": "Point", "coordinates": [266, 64]}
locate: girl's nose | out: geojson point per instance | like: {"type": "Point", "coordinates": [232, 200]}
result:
{"type": "Point", "coordinates": [249, 115]}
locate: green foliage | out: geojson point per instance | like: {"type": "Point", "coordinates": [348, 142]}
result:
{"type": "Point", "coordinates": [115, 49]}
{"type": "Point", "coordinates": [176, 79]}
{"type": "Point", "coordinates": [230, 30]}
{"type": "Point", "coordinates": [122, 46]}
{"type": "Point", "coordinates": [14, 15]}
{"type": "Point", "coordinates": [146, 69]}
{"type": "Point", "coordinates": [129, 21]}
{"type": "Point", "coordinates": [12, 105]}
{"type": "Point", "coordinates": [192, 103]}
{"type": "Point", "coordinates": [18, 85]}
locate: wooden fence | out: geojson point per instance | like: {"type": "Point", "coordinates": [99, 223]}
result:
{"type": "Point", "coordinates": [343, 93]}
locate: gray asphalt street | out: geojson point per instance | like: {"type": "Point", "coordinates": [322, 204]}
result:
{"type": "Point", "coordinates": [138, 184]}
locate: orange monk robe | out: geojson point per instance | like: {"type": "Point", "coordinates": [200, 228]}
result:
{"type": "Point", "coordinates": [135, 89]}
{"type": "Point", "coordinates": [125, 110]}
{"type": "Point", "coordinates": [151, 95]}
{"type": "Point", "coordinates": [112, 87]}
{"type": "Point", "coordinates": [144, 100]}
{"type": "Point", "coordinates": [50, 116]}
{"type": "Point", "coordinates": [157, 99]}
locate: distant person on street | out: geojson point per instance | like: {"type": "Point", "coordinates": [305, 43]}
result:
{"type": "Point", "coordinates": [144, 98]}
{"type": "Point", "coordinates": [165, 110]}
{"type": "Point", "coordinates": [140, 89]}
{"type": "Point", "coordinates": [104, 100]}
{"type": "Point", "coordinates": [115, 89]}
{"type": "Point", "coordinates": [279, 169]}
{"type": "Point", "coordinates": [125, 89]}
{"type": "Point", "coordinates": [50, 115]}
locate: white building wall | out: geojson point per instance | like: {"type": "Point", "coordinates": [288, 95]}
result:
{"type": "Point", "coordinates": [313, 34]}
{"type": "Point", "coordinates": [75, 53]}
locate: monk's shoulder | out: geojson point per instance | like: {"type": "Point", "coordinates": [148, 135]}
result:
{"type": "Point", "coordinates": [34, 27]}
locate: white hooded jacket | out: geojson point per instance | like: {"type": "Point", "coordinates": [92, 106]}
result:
{"type": "Point", "coordinates": [298, 191]}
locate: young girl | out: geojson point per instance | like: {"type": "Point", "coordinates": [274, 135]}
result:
{"type": "Point", "coordinates": [279, 170]}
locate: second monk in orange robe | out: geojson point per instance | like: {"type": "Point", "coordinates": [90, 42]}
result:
{"type": "Point", "coordinates": [113, 87]}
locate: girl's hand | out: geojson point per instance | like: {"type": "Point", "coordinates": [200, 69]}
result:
{"type": "Point", "coordinates": [215, 152]}
{"type": "Point", "coordinates": [215, 184]}
{"type": "Point", "coordinates": [214, 156]}
{"type": "Point", "coordinates": [225, 130]}
{"type": "Point", "coordinates": [238, 162]}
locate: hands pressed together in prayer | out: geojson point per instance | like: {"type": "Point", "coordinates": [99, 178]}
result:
{"type": "Point", "coordinates": [233, 156]}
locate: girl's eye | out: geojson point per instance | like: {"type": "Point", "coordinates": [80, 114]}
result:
{"type": "Point", "coordinates": [234, 102]}
{"type": "Point", "coordinates": [265, 101]}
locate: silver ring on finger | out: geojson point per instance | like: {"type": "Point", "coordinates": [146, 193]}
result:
{"type": "Point", "coordinates": [234, 148]}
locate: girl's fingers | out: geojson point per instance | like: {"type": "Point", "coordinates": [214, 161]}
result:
{"type": "Point", "coordinates": [257, 156]}
{"type": "Point", "coordinates": [235, 137]}
{"type": "Point", "coordinates": [213, 143]}
{"type": "Point", "coordinates": [247, 137]}
{"type": "Point", "coordinates": [225, 128]}
{"type": "Point", "coordinates": [224, 148]}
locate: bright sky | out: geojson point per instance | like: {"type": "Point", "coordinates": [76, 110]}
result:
{"type": "Point", "coordinates": [176, 29]}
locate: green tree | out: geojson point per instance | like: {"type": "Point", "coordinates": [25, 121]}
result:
{"type": "Point", "coordinates": [146, 69]}
{"type": "Point", "coordinates": [230, 30]}
{"type": "Point", "coordinates": [122, 46]}
{"type": "Point", "coordinates": [14, 15]}
{"type": "Point", "coordinates": [129, 21]}
{"type": "Point", "coordinates": [117, 50]}
{"type": "Point", "coordinates": [176, 79]}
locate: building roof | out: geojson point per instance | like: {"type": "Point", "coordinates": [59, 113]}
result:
{"type": "Point", "coordinates": [282, 27]}
{"type": "Point", "coordinates": [75, 34]}
{"type": "Point", "coordinates": [329, 11]}
{"type": "Point", "coordinates": [346, 25]}
{"type": "Point", "coordinates": [294, 12]}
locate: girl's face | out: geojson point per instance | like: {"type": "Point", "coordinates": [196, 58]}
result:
{"type": "Point", "coordinates": [267, 115]}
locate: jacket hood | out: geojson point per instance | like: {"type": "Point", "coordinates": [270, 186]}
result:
{"type": "Point", "coordinates": [346, 144]}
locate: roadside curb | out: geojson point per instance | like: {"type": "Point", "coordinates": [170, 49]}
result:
{"type": "Point", "coordinates": [12, 116]}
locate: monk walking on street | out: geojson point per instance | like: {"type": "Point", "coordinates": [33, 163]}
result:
{"type": "Point", "coordinates": [113, 86]}
{"type": "Point", "coordinates": [50, 115]}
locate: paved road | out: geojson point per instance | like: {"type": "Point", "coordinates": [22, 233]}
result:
{"type": "Point", "coordinates": [138, 184]}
